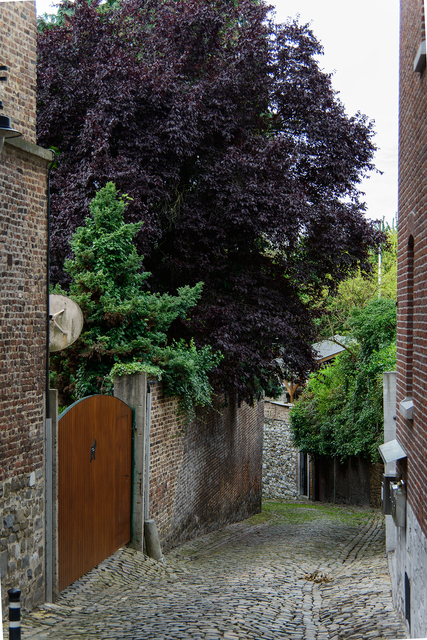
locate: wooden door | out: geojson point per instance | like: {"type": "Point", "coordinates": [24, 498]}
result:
{"type": "Point", "coordinates": [94, 484]}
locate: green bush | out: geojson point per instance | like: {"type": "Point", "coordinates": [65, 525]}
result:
{"type": "Point", "coordinates": [340, 413]}
{"type": "Point", "coordinates": [125, 326]}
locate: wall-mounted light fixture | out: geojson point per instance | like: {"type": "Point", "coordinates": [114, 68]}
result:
{"type": "Point", "coordinates": [6, 131]}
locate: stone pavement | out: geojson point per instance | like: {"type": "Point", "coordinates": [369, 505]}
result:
{"type": "Point", "coordinates": [299, 571]}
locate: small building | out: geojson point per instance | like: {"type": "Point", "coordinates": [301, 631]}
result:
{"type": "Point", "coordinates": [327, 350]}
{"type": "Point", "coordinates": [408, 561]}
{"type": "Point", "coordinates": [23, 248]}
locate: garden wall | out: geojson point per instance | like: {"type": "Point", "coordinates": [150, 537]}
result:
{"type": "Point", "coordinates": [279, 467]}
{"type": "Point", "coordinates": [202, 475]}
{"type": "Point", "coordinates": [208, 474]}
{"type": "Point", "coordinates": [357, 481]}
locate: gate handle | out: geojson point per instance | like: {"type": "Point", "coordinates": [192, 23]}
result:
{"type": "Point", "coordinates": [92, 451]}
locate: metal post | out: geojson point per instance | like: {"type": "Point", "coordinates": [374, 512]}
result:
{"type": "Point", "coordinates": [1, 613]}
{"type": "Point", "coordinates": [14, 614]}
{"type": "Point", "coordinates": [147, 456]}
{"type": "Point", "coordinates": [49, 507]}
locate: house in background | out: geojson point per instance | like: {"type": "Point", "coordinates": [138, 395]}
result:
{"type": "Point", "coordinates": [327, 350]}
{"type": "Point", "coordinates": [408, 562]}
{"type": "Point", "coordinates": [23, 233]}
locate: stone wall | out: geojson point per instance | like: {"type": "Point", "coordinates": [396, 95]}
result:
{"type": "Point", "coordinates": [22, 537]}
{"type": "Point", "coordinates": [277, 409]}
{"type": "Point", "coordinates": [279, 465]}
{"type": "Point", "coordinates": [410, 558]}
{"type": "Point", "coordinates": [206, 474]}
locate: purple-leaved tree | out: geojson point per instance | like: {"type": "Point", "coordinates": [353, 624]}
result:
{"type": "Point", "coordinates": [236, 152]}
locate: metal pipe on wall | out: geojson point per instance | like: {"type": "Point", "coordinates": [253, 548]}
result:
{"type": "Point", "coordinates": [48, 420]}
{"type": "Point", "coordinates": [147, 456]}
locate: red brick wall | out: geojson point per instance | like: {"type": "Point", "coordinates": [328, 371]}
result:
{"type": "Point", "coordinates": [23, 178]}
{"type": "Point", "coordinates": [22, 310]}
{"type": "Point", "coordinates": [412, 290]}
{"type": "Point", "coordinates": [207, 475]}
{"type": "Point", "coordinates": [18, 51]}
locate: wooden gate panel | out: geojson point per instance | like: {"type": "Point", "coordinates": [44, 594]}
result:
{"type": "Point", "coordinates": [94, 484]}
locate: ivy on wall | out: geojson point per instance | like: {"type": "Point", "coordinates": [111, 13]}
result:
{"type": "Point", "coordinates": [340, 413]}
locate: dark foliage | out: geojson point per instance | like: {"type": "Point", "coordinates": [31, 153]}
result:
{"type": "Point", "coordinates": [239, 158]}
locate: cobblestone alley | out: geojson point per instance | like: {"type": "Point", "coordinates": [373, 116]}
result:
{"type": "Point", "coordinates": [298, 571]}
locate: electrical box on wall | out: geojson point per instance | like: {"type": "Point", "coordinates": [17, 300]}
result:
{"type": "Point", "coordinates": [398, 503]}
{"type": "Point", "coordinates": [386, 493]}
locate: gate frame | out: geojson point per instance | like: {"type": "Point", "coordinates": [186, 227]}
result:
{"type": "Point", "coordinates": [132, 390]}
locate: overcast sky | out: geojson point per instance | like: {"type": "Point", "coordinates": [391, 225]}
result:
{"type": "Point", "coordinates": [361, 41]}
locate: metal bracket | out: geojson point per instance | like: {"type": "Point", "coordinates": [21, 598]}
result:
{"type": "Point", "coordinates": [53, 317]}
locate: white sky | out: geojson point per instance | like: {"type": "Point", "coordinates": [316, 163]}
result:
{"type": "Point", "coordinates": [361, 43]}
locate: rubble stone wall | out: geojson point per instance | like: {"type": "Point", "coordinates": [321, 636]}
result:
{"type": "Point", "coordinates": [279, 465]}
{"type": "Point", "coordinates": [22, 537]}
{"type": "Point", "coordinates": [410, 558]}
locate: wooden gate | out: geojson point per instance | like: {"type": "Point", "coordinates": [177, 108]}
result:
{"type": "Point", "coordinates": [94, 484]}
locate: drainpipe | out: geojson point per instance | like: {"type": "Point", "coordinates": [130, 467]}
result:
{"type": "Point", "coordinates": [48, 419]}
{"type": "Point", "coordinates": [147, 456]}
{"type": "Point", "coordinates": [335, 478]}
{"type": "Point", "coordinates": [48, 285]}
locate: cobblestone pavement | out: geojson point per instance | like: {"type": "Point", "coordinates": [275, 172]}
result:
{"type": "Point", "coordinates": [296, 571]}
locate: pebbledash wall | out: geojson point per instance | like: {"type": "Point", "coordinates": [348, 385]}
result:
{"type": "Point", "coordinates": [409, 561]}
{"type": "Point", "coordinates": [207, 473]}
{"type": "Point", "coordinates": [280, 460]}
{"type": "Point", "coordinates": [23, 180]}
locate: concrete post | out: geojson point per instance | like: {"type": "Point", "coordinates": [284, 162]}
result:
{"type": "Point", "coordinates": [389, 400]}
{"type": "Point", "coordinates": [133, 391]}
{"type": "Point", "coordinates": [152, 541]}
{"type": "Point", "coordinates": [389, 388]}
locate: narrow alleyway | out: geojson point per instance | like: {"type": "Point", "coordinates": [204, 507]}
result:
{"type": "Point", "coordinates": [297, 571]}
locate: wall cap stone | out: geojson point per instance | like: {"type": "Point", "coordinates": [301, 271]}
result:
{"type": "Point", "coordinates": [29, 147]}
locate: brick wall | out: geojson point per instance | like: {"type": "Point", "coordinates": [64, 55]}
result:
{"type": "Point", "coordinates": [22, 310]}
{"type": "Point", "coordinates": [412, 259]}
{"type": "Point", "coordinates": [18, 51]}
{"type": "Point", "coordinates": [23, 178]}
{"type": "Point", "coordinates": [410, 554]}
{"type": "Point", "coordinates": [206, 475]}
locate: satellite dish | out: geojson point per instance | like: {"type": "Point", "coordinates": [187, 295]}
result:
{"type": "Point", "coordinates": [65, 322]}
